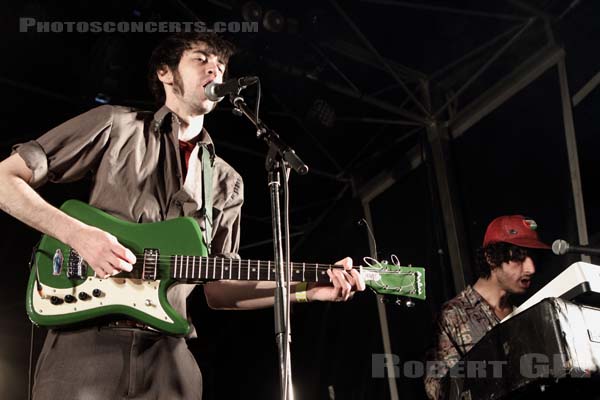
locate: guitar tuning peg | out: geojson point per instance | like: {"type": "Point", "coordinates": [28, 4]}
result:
{"type": "Point", "coordinates": [408, 303]}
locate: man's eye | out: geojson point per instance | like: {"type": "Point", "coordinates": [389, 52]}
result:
{"type": "Point", "coordinates": [201, 59]}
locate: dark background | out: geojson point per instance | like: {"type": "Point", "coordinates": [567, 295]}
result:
{"type": "Point", "coordinates": [514, 160]}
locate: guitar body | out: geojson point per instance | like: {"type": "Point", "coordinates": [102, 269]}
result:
{"type": "Point", "coordinates": [63, 290]}
{"type": "Point", "coordinates": [53, 278]}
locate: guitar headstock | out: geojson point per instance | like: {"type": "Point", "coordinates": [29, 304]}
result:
{"type": "Point", "coordinates": [395, 280]}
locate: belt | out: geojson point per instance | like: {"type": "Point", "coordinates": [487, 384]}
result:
{"type": "Point", "coordinates": [129, 324]}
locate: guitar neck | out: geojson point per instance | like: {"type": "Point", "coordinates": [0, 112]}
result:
{"type": "Point", "coordinates": [196, 268]}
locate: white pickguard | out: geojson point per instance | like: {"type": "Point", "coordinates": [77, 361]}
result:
{"type": "Point", "coordinates": [134, 293]}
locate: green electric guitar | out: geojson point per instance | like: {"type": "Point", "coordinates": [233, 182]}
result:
{"type": "Point", "coordinates": [63, 290]}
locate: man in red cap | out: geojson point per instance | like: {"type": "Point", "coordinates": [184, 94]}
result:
{"type": "Point", "coordinates": [505, 267]}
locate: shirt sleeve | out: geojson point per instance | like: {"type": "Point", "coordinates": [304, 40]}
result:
{"type": "Point", "coordinates": [67, 152]}
{"type": "Point", "coordinates": [442, 357]}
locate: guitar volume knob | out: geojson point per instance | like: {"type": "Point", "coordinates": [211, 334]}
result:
{"type": "Point", "coordinates": [83, 296]}
{"type": "Point", "coordinates": [96, 292]}
{"type": "Point", "coordinates": [56, 300]}
{"type": "Point", "coordinates": [70, 299]}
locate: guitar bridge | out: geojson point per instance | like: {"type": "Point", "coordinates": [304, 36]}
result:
{"type": "Point", "coordinates": [76, 267]}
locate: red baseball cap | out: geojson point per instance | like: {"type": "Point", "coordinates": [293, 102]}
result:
{"type": "Point", "coordinates": [514, 229]}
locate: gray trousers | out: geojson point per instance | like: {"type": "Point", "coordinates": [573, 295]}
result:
{"type": "Point", "coordinates": [109, 363]}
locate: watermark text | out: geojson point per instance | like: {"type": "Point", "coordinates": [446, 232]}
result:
{"type": "Point", "coordinates": [531, 365]}
{"type": "Point", "coordinates": [28, 24]}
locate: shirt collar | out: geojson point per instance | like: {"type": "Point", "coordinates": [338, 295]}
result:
{"type": "Point", "coordinates": [159, 117]}
{"type": "Point", "coordinates": [164, 124]}
{"type": "Point", "coordinates": [473, 295]}
{"type": "Point", "coordinates": [475, 298]}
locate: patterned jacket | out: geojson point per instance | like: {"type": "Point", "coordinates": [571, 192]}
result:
{"type": "Point", "coordinates": [462, 322]}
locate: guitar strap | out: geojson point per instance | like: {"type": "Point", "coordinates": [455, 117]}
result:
{"type": "Point", "coordinates": [207, 189]}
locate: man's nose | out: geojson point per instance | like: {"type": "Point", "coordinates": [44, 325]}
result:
{"type": "Point", "coordinates": [529, 266]}
{"type": "Point", "coordinates": [212, 68]}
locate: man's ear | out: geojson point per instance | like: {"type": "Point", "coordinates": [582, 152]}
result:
{"type": "Point", "coordinates": [165, 75]}
{"type": "Point", "coordinates": [488, 259]}
{"type": "Point", "coordinates": [492, 267]}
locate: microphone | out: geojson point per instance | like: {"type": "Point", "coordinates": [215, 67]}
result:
{"type": "Point", "coordinates": [217, 91]}
{"type": "Point", "coordinates": [560, 247]}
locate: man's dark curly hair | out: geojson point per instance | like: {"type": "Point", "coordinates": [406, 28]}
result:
{"type": "Point", "coordinates": [494, 254]}
{"type": "Point", "coordinates": [169, 51]}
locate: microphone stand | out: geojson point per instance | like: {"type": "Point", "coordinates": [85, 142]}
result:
{"type": "Point", "coordinates": [279, 157]}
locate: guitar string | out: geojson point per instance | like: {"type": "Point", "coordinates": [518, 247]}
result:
{"type": "Point", "coordinates": [254, 264]}
{"type": "Point", "coordinates": [243, 266]}
{"type": "Point", "coordinates": [378, 283]}
{"type": "Point", "coordinates": [208, 263]}
{"type": "Point", "coordinates": [260, 264]}
{"type": "Point", "coordinates": [211, 258]}
{"type": "Point", "coordinates": [309, 268]}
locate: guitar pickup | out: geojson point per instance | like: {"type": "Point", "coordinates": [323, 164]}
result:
{"type": "Point", "coordinates": [76, 267]}
{"type": "Point", "coordinates": [150, 266]}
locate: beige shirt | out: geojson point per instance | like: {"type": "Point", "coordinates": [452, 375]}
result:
{"type": "Point", "coordinates": [134, 159]}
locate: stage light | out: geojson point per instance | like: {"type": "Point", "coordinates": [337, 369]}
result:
{"type": "Point", "coordinates": [252, 12]}
{"type": "Point", "coordinates": [273, 21]}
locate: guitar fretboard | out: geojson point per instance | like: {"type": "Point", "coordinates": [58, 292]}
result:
{"type": "Point", "coordinates": [196, 268]}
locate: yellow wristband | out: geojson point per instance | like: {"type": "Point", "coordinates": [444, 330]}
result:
{"type": "Point", "coordinates": [301, 292]}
